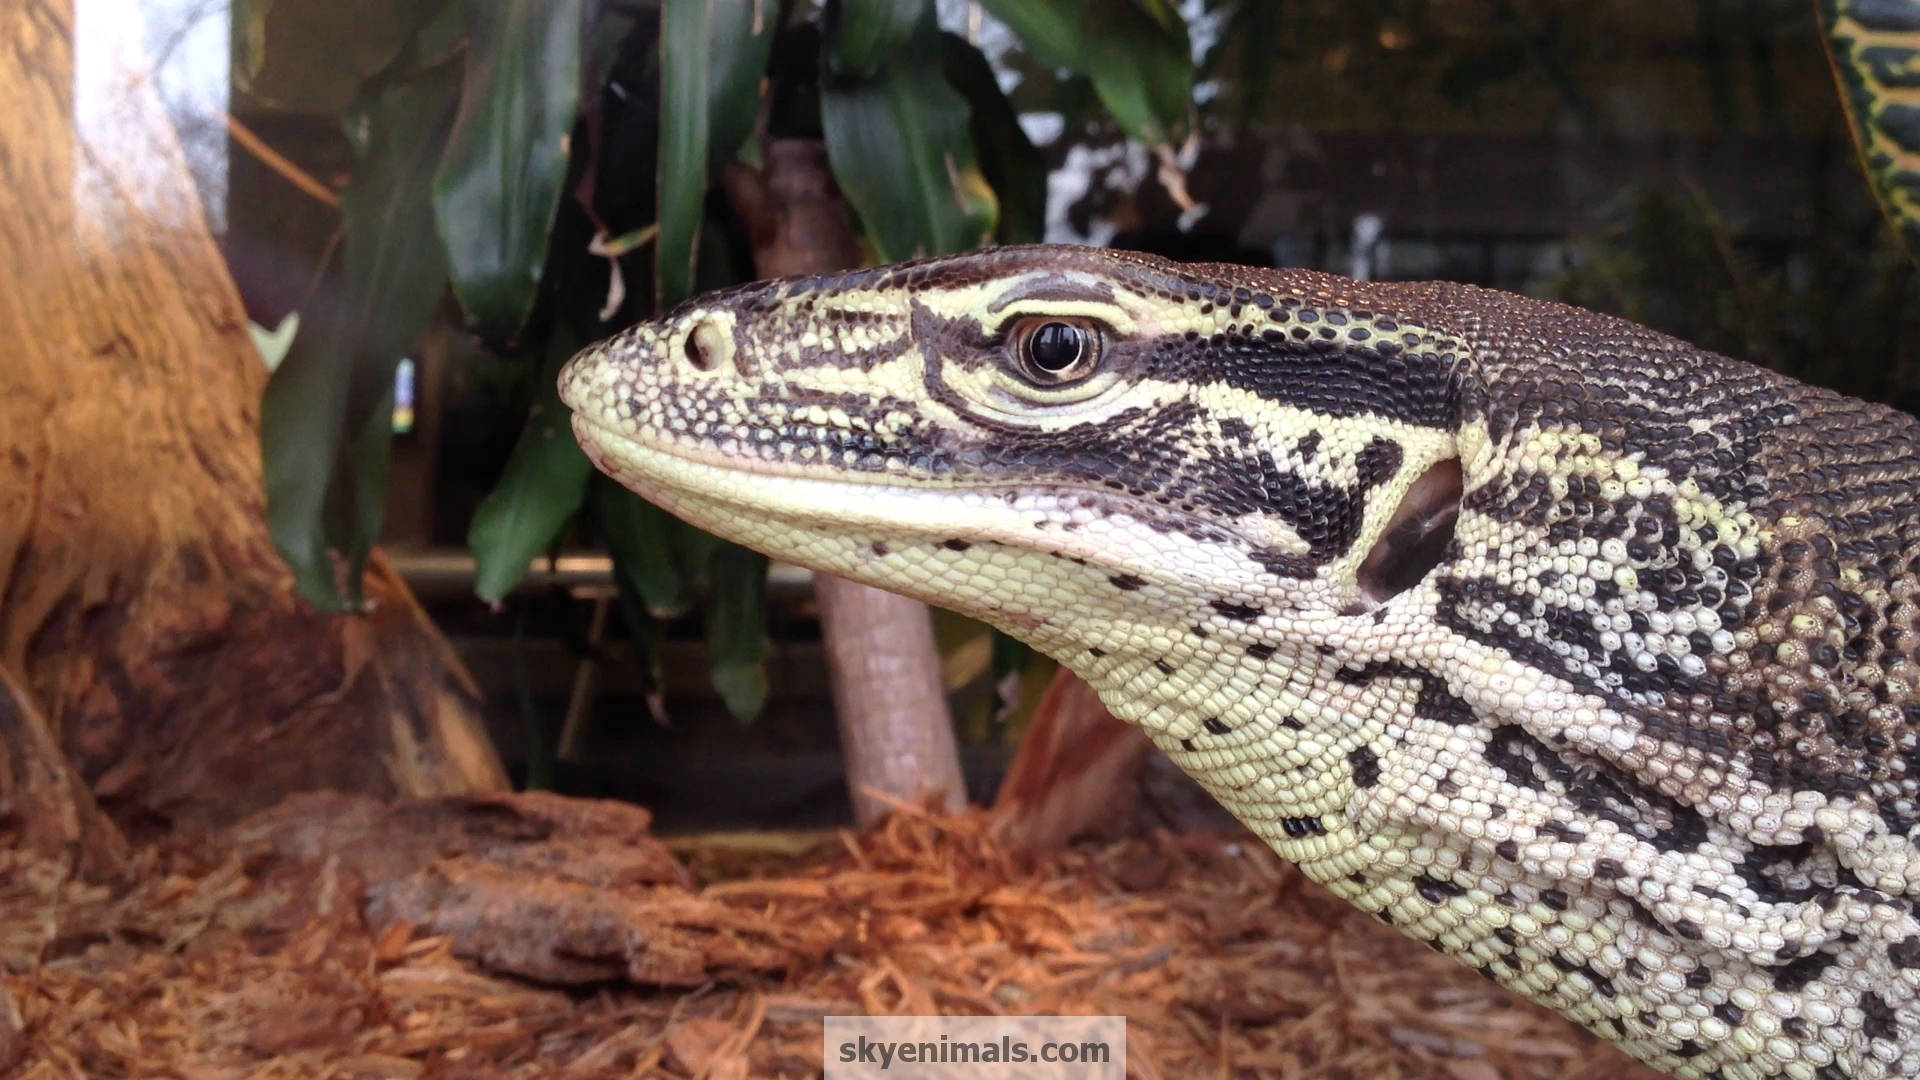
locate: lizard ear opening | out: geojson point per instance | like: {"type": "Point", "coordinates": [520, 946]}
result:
{"type": "Point", "coordinates": [1416, 537]}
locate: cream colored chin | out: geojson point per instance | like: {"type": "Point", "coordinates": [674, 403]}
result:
{"type": "Point", "coordinates": [828, 523]}
{"type": "Point", "coordinates": [748, 487]}
{"type": "Point", "coordinates": [736, 497]}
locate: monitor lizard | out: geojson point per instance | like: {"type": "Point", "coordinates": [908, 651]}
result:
{"type": "Point", "coordinates": [1585, 656]}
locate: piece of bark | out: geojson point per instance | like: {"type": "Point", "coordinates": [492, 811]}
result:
{"type": "Point", "coordinates": [44, 807]}
{"type": "Point", "coordinates": [540, 886]}
{"type": "Point", "coordinates": [896, 731]}
{"type": "Point", "coordinates": [558, 931]}
{"type": "Point", "coordinates": [1081, 771]}
{"type": "Point", "coordinates": [598, 843]}
{"type": "Point", "coordinates": [13, 1035]}
{"type": "Point", "coordinates": [1077, 769]}
{"type": "Point", "coordinates": [142, 604]}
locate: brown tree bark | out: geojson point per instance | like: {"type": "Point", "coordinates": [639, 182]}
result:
{"type": "Point", "coordinates": [1077, 768]}
{"type": "Point", "coordinates": [44, 807]}
{"type": "Point", "coordinates": [142, 605]}
{"type": "Point", "coordinates": [896, 732]}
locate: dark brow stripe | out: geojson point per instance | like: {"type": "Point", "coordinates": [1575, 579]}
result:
{"type": "Point", "coordinates": [1341, 380]}
{"type": "Point", "coordinates": [1054, 288]}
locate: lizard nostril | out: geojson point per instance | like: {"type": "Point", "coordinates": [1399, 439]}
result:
{"type": "Point", "coordinates": [699, 352]}
{"type": "Point", "coordinates": [709, 346]}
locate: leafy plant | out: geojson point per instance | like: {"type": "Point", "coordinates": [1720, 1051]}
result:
{"type": "Point", "coordinates": [551, 164]}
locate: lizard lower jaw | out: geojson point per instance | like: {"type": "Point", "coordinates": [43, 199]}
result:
{"type": "Point", "coordinates": [777, 508]}
{"type": "Point", "coordinates": [725, 493]}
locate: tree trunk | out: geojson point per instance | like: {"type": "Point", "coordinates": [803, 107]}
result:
{"type": "Point", "coordinates": [896, 734]}
{"type": "Point", "coordinates": [142, 605]}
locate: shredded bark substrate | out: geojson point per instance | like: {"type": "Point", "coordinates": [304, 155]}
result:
{"type": "Point", "coordinates": [535, 936]}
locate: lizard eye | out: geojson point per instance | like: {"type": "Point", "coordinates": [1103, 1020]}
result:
{"type": "Point", "coordinates": [1052, 352]}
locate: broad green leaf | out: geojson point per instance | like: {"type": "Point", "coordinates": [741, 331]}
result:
{"type": "Point", "coordinates": [1247, 57]}
{"type": "Point", "coordinates": [313, 56]}
{"type": "Point", "coordinates": [737, 628]}
{"type": "Point", "coordinates": [608, 28]}
{"type": "Point", "coordinates": [1141, 65]}
{"type": "Point", "coordinates": [541, 487]}
{"type": "Point", "coordinates": [862, 35]}
{"type": "Point", "coordinates": [1165, 13]}
{"type": "Point", "coordinates": [742, 37]}
{"type": "Point", "coordinates": [713, 54]}
{"type": "Point", "coordinates": [302, 425]}
{"type": "Point", "coordinates": [324, 436]}
{"type": "Point", "coordinates": [902, 152]}
{"type": "Point", "coordinates": [1049, 29]}
{"type": "Point", "coordinates": [368, 467]}
{"type": "Point", "coordinates": [500, 180]}
{"type": "Point", "coordinates": [1013, 167]}
{"type": "Point", "coordinates": [642, 538]}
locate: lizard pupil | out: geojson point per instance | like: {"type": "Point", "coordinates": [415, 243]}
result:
{"type": "Point", "coordinates": [1055, 351]}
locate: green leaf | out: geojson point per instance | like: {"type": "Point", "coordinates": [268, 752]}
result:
{"type": "Point", "coordinates": [543, 484]}
{"type": "Point", "coordinates": [1013, 167]}
{"type": "Point", "coordinates": [642, 538]}
{"type": "Point", "coordinates": [1141, 65]}
{"type": "Point", "coordinates": [324, 435]}
{"type": "Point", "coordinates": [902, 152]}
{"type": "Point", "coordinates": [313, 56]}
{"type": "Point", "coordinates": [608, 30]}
{"type": "Point", "coordinates": [863, 34]}
{"type": "Point", "coordinates": [742, 38]}
{"type": "Point", "coordinates": [1165, 13]}
{"type": "Point", "coordinates": [1247, 56]}
{"type": "Point", "coordinates": [713, 54]}
{"type": "Point", "coordinates": [368, 468]}
{"type": "Point", "coordinates": [1049, 29]}
{"type": "Point", "coordinates": [500, 180]}
{"type": "Point", "coordinates": [302, 424]}
{"type": "Point", "coordinates": [737, 628]}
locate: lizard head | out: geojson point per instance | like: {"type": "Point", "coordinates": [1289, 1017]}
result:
{"type": "Point", "coordinates": [1029, 431]}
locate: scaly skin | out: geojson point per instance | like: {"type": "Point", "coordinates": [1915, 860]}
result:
{"type": "Point", "coordinates": [1582, 655]}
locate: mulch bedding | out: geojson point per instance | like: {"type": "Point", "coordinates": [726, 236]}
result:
{"type": "Point", "coordinates": [533, 936]}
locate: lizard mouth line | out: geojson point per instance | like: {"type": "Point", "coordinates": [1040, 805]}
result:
{"type": "Point", "coordinates": [746, 460]}
{"type": "Point", "coordinates": [745, 483]}
{"type": "Point", "coordinates": [714, 477]}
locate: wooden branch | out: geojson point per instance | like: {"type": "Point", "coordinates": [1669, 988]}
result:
{"type": "Point", "coordinates": [896, 733]}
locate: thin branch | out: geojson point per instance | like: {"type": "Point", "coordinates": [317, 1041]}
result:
{"type": "Point", "coordinates": [268, 156]}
